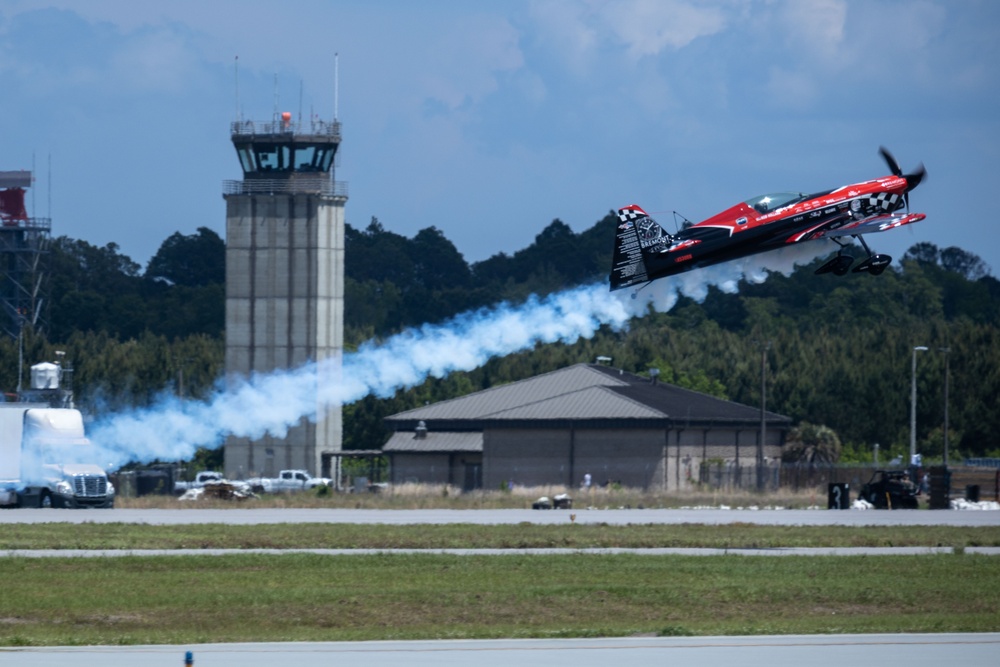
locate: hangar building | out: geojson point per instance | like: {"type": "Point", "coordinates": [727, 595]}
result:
{"type": "Point", "coordinates": [552, 429]}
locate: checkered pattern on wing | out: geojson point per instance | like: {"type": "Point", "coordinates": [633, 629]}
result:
{"type": "Point", "coordinates": [627, 214]}
{"type": "Point", "coordinates": [887, 201]}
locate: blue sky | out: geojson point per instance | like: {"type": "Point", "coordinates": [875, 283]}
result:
{"type": "Point", "coordinates": [490, 119]}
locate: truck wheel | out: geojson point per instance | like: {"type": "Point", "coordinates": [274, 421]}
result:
{"type": "Point", "coordinates": [45, 500]}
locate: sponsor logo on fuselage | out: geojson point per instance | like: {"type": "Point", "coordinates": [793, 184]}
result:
{"type": "Point", "coordinates": [684, 258]}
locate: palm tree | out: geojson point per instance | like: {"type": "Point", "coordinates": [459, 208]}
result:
{"type": "Point", "coordinates": [811, 443]}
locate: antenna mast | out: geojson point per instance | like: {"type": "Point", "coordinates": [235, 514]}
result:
{"type": "Point", "coordinates": [275, 97]}
{"type": "Point", "coordinates": [336, 85]}
{"type": "Point", "coordinates": [237, 69]}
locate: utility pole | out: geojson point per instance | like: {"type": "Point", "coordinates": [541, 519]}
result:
{"type": "Point", "coordinates": [913, 404]}
{"type": "Point", "coordinates": [945, 350]}
{"type": "Point", "coordinates": [764, 347]}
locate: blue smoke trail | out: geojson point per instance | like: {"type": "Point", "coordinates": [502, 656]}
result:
{"type": "Point", "coordinates": [172, 429]}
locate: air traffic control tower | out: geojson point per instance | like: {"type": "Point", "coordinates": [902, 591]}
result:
{"type": "Point", "coordinates": [285, 279]}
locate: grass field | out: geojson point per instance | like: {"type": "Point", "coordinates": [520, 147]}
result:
{"type": "Point", "coordinates": [305, 597]}
{"type": "Point", "coordinates": [301, 597]}
{"type": "Point", "coordinates": [519, 536]}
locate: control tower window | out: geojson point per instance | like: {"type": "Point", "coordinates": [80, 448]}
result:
{"type": "Point", "coordinates": [246, 159]}
{"type": "Point", "coordinates": [273, 157]}
{"type": "Point", "coordinates": [313, 158]}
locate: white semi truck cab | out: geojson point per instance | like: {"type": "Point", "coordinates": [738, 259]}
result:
{"type": "Point", "coordinates": [46, 460]}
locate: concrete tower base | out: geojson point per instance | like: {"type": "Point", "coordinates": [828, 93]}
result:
{"type": "Point", "coordinates": [284, 309]}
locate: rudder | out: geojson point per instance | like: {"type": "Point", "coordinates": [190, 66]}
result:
{"type": "Point", "coordinates": [627, 265]}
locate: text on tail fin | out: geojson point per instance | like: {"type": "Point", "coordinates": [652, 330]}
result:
{"type": "Point", "coordinates": [627, 266]}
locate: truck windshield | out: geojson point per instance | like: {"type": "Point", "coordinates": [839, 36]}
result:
{"type": "Point", "coordinates": [75, 450]}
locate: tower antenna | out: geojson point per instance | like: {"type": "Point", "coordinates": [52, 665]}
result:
{"type": "Point", "coordinates": [275, 97]}
{"type": "Point", "coordinates": [237, 71]}
{"type": "Point", "coordinates": [336, 85]}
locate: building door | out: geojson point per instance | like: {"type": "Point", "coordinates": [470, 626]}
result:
{"type": "Point", "coordinates": [473, 476]}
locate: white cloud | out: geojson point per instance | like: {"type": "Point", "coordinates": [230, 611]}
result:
{"type": "Point", "coordinates": [159, 60]}
{"type": "Point", "coordinates": [649, 27]}
{"type": "Point", "coordinates": [815, 29]}
{"type": "Point", "coordinates": [460, 60]}
{"type": "Point", "coordinates": [580, 31]}
{"type": "Point", "coordinates": [567, 29]}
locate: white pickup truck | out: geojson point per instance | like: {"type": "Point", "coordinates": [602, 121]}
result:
{"type": "Point", "coordinates": [288, 480]}
{"type": "Point", "coordinates": [200, 480]}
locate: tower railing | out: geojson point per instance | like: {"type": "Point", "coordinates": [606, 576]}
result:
{"type": "Point", "coordinates": [39, 224]}
{"type": "Point", "coordinates": [262, 186]}
{"type": "Point", "coordinates": [312, 127]}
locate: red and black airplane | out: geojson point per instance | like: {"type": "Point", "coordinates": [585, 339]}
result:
{"type": "Point", "coordinates": [644, 251]}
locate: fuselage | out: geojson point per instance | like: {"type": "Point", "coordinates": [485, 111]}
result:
{"type": "Point", "coordinates": [771, 221]}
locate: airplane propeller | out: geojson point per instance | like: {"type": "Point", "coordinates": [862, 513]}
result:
{"type": "Point", "coordinates": [912, 179]}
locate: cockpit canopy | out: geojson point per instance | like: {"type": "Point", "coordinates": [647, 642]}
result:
{"type": "Point", "coordinates": [775, 200]}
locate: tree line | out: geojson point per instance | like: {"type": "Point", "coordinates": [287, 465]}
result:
{"type": "Point", "coordinates": [838, 350]}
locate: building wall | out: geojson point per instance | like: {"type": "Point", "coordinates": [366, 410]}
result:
{"type": "Point", "coordinates": [422, 468]}
{"type": "Point", "coordinates": [647, 458]}
{"type": "Point", "coordinates": [534, 457]}
{"type": "Point", "coordinates": [284, 308]}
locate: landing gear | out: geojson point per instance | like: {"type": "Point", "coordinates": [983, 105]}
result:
{"type": "Point", "coordinates": [839, 265]}
{"type": "Point", "coordinates": [875, 264]}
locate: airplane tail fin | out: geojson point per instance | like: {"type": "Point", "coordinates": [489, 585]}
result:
{"type": "Point", "coordinates": [628, 267]}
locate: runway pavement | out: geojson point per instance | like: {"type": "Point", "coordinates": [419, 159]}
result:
{"type": "Point", "coordinates": [509, 516]}
{"type": "Point", "coordinates": [652, 551]}
{"type": "Point", "coordinates": [917, 650]}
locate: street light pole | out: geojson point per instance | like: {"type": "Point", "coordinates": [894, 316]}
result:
{"type": "Point", "coordinates": [945, 350]}
{"type": "Point", "coordinates": [913, 404]}
{"type": "Point", "coordinates": [764, 347]}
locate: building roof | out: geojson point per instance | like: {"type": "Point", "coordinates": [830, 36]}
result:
{"type": "Point", "coordinates": [583, 392]}
{"type": "Point", "coordinates": [407, 441]}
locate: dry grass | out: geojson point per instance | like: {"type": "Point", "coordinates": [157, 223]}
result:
{"type": "Point", "coordinates": [439, 496]}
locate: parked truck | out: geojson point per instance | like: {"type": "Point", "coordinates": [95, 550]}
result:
{"type": "Point", "coordinates": [200, 480]}
{"type": "Point", "coordinates": [209, 478]}
{"type": "Point", "coordinates": [288, 480]}
{"type": "Point", "coordinates": [46, 460]}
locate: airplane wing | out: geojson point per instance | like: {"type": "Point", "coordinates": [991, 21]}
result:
{"type": "Point", "coordinates": [879, 223]}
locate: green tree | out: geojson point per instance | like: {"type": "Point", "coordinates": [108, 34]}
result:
{"type": "Point", "coordinates": [811, 443]}
{"type": "Point", "coordinates": [195, 260]}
